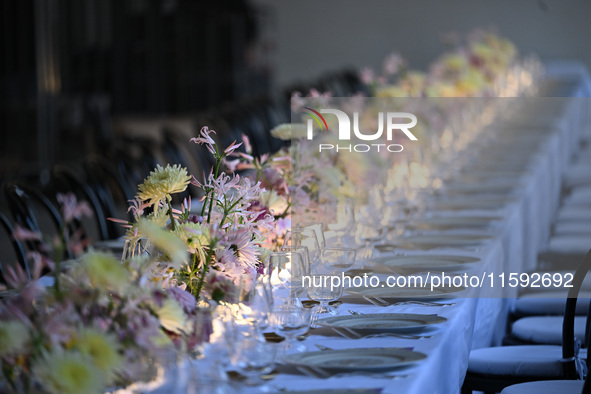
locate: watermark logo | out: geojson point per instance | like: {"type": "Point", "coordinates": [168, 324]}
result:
{"type": "Point", "coordinates": [317, 117]}
{"type": "Point", "coordinates": [390, 122]}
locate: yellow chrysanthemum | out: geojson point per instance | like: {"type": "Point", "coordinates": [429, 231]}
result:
{"type": "Point", "coordinates": [104, 271]}
{"type": "Point", "coordinates": [171, 316]}
{"type": "Point", "coordinates": [287, 131]}
{"type": "Point", "coordinates": [101, 348]}
{"type": "Point", "coordinates": [13, 337]}
{"type": "Point", "coordinates": [164, 241]}
{"type": "Point", "coordinates": [66, 372]}
{"type": "Point", "coordinates": [162, 182]}
{"type": "Point", "coordinates": [194, 236]}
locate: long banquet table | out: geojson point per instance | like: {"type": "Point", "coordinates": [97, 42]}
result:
{"type": "Point", "coordinates": [475, 320]}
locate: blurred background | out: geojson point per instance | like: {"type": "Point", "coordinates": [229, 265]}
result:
{"type": "Point", "coordinates": [125, 77]}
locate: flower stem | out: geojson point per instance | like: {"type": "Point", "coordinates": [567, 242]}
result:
{"type": "Point", "coordinates": [204, 270]}
{"type": "Point", "coordinates": [218, 161]}
{"type": "Point", "coordinates": [172, 222]}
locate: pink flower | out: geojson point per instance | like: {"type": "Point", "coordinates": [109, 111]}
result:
{"type": "Point", "coordinates": [23, 234]}
{"type": "Point", "coordinates": [233, 146]}
{"type": "Point", "coordinates": [272, 179]}
{"type": "Point", "coordinates": [184, 298]}
{"type": "Point", "coordinates": [240, 241]}
{"type": "Point", "coordinates": [367, 75]}
{"type": "Point", "coordinates": [247, 145]}
{"type": "Point", "coordinates": [71, 209]}
{"type": "Point", "coordinates": [206, 140]}
{"type": "Point", "coordinates": [136, 207]}
{"type": "Point", "coordinates": [297, 102]}
{"type": "Point", "coordinates": [393, 63]}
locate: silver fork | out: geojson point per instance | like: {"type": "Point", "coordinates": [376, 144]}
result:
{"type": "Point", "coordinates": [377, 301]}
{"type": "Point", "coordinates": [423, 303]}
{"type": "Point", "coordinates": [312, 371]}
{"type": "Point", "coordinates": [375, 375]}
{"type": "Point", "coordinates": [351, 334]}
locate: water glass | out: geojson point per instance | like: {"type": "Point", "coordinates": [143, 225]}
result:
{"type": "Point", "coordinates": [291, 321]}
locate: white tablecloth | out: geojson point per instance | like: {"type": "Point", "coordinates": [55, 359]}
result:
{"type": "Point", "coordinates": [475, 321]}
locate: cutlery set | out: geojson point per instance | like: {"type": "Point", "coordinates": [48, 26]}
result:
{"type": "Point", "coordinates": [378, 301]}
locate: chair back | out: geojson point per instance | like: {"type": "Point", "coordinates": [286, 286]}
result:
{"type": "Point", "coordinates": [570, 344]}
{"type": "Point", "coordinates": [17, 247]}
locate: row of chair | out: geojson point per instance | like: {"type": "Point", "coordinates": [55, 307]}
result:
{"type": "Point", "coordinates": [545, 350]}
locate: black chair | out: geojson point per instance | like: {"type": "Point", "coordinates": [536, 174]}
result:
{"type": "Point", "coordinates": [112, 192]}
{"type": "Point", "coordinates": [493, 369]}
{"type": "Point", "coordinates": [17, 249]}
{"type": "Point", "coordinates": [33, 211]}
{"type": "Point", "coordinates": [65, 180]}
{"type": "Point", "coordinates": [562, 386]}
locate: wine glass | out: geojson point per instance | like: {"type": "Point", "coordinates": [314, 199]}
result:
{"type": "Point", "coordinates": [324, 288]}
{"type": "Point", "coordinates": [338, 259]}
{"type": "Point", "coordinates": [345, 221]}
{"type": "Point", "coordinates": [305, 254]}
{"type": "Point", "coordinates": [291, 321]}
{"type": "Point", "coordinates": [367, 235]}
{"type": "Point", "coordinates": [253, 357]}
{"type": "Point", "coordinates": [254, 302]}
{"type": "Point", "coordinates": [310, 236]}
{"type": "Point", "coordinates": [288, 268]}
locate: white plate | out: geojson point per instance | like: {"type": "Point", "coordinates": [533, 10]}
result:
{"type": "Point", "coordinates": [361, 359]}
{"type": "Point", "coordinates": [382, 322]}
{"type": "Point", "coordinates": [426, 262]}
{"type": "Point", "coordinates": [447, 222]}
{"type": "Point", "coordinates": [394, 294]}
{"type": "Point", "coordinates": [461, 204]}
{"type": "Point", "coordinates": [426, 242]}
{"type": "Point", "coordinates": [465, 188]}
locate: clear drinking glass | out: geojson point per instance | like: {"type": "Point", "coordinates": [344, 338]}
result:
{"type": "Point", "coordinates": [255, 303]}
{"type": "Point", "coordinates": [252, 358]}
{"type": "Point", "coordinates": [338, 259]}
{"type": "Point", "coordinates": [288, 268]}
{"type": "Point", "coordinates": [323, 288]}
{"type": "Point", "coordinates": [290, 321]}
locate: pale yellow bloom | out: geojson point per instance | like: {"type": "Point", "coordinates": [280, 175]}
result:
{"type": "Point", "coordinates": [273, 201]}
{"type": "Point", "coordinates": [391, 91]}
{"type": "Point", "coordinates": [162, 182]}
{"type": "Point", "coordinates": [171, 316]}
{"type": "Point", "coordinates": [13, 337]}
{"type": "Point", "coordinates": [194, 236]}
{"type": "Point", "coordinates": [455, 62]}
{"type": "Point", "coordinates": [164, 240]}
{"type": "Point", "coordinates": [102, 348]}
{"type": "Point", "coordinates": [66, 372]}
{"type": "Point", "coordinates": [287, 131]}
{"type": "Point", "coordinates": [471, 83]}
{"type": "Point", "coordinates": [104, 271]}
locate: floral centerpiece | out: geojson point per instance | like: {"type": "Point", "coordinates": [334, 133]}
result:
{"type": "Point", "coordinates": [223, 236]}
{"type": "Point", "coordinates": [99, 325]}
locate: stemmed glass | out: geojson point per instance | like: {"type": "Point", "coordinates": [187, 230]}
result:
{"type": "Point", "coordinates": [338, 259]}
{"type": "Point", "coordinates": [367, 235]}
{"type": "Point", "coordinates": [254, 303]}
{"type": "Point", "coordinates": [253, 357]}
{"type": "Point", "coordinates": [324, 283]}
{"type": "Point", "coordinates": [291, 321]}
{"type": "Point", "coordinates": [345, 221]}
{"type": "Point", "coordinates": [288, 268]}
{"type": "Point", "coordinates": [310, 236]}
